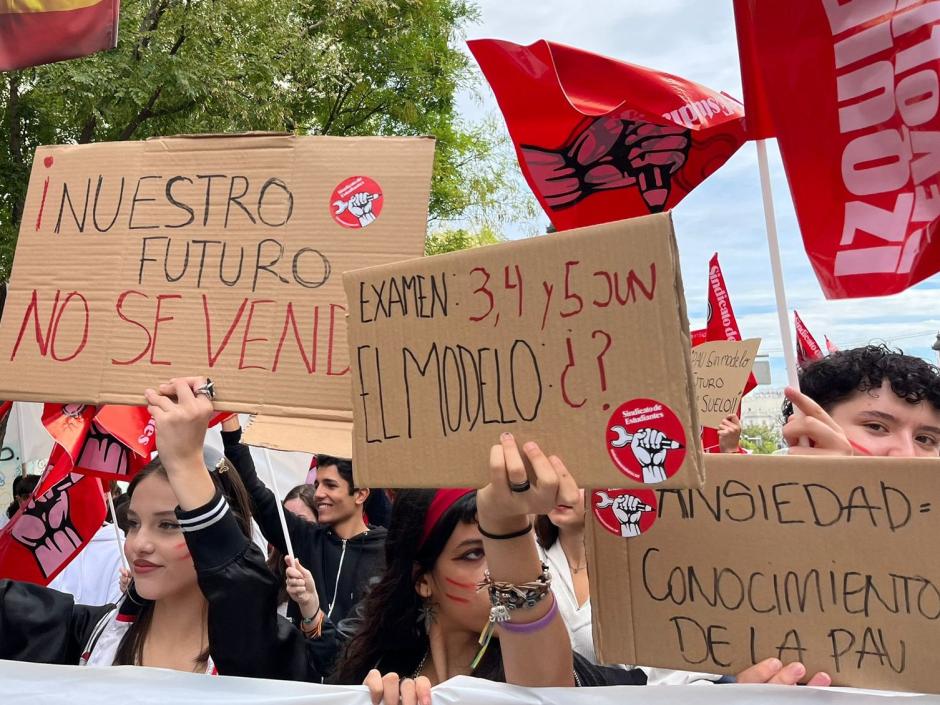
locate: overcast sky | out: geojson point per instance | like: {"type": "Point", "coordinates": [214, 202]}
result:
{"type": "Point", "coordinates": [695, 39]}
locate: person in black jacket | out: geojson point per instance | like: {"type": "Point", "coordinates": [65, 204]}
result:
{"type": "Point", "coordinates": [201, 598]}
{"type": "Point", "coordinates": [343, 554]}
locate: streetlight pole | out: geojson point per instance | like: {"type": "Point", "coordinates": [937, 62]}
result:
{"type": "Point", "coordinates": [936, 347]}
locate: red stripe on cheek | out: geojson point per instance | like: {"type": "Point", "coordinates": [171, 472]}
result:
{"type": "Point", "coordinates": [183, 550]}
{"type": "Point", "coordinates": [462, 600]}
{"type": "Point", "coordinates": [465, 586]}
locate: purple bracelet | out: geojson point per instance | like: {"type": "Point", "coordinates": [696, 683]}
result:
{"type": "Point", "coordinates": [535, 626]}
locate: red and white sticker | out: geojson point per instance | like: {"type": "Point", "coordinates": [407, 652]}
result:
{"type": "Point", "coordinates": [356, 202]}
{"type": "Point", "coordinates": [646, 441]}
{"type": "Point", "coordinates": [625, 513]}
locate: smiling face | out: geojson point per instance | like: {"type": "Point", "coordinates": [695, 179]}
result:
{"type": "Point", "coordinates": [451, 584]}
{"type": "Point", "coordinates": [155, 547]}
{"type": "Point", "coordinates": [335, 504]}
{"type": "Point", "coordinates": [884, 424]}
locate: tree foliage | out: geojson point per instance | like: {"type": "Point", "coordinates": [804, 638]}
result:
{"type": "Point", "coordinates": [760, 438]}
{"type": "Point", "coordinates": [332, 67]}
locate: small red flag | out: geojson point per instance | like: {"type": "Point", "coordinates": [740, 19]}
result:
{"type": "Point", "coordinates": [830, 346]}
{"type": "Point", "coordinates": [42, 31]}
{"type": "Point", "coordinates": [807, 349]}
{"type": "Point", "coordinates": [852, 87]}
{"type": "Point", "coordinates": [600, 140]}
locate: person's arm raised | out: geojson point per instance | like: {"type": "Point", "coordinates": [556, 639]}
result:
{"type": "Point", "coordinates": [182, 415]}
{"type": "Point", "coordinates": [512, 557]}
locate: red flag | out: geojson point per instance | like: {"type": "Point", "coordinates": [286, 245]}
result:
{"type": "Point", "coordinates": [42, 31]}
{"type": "Point", "coordinates": [830, 346]}
{"type": "Point", "coordinates": [852, 87]}
{"type": "Point", "coordinates": [699, 336]}
{"type": "Point", "coordinates": [600, 140]}
{"type": "Point", "coordinates": [757, 118]}
{"type": "Point", "coordinates": [807, 349]}
{"type": "Point", "coordinates": [64, 512]}
{"type": "Point", "coordinates": [111, 442]}
{"type": "Point", "coordinates": [5, 407]}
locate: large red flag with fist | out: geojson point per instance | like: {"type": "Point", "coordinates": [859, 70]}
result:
{"type": "Point", "coordinates": [853, 96]}
{"type": "Point", "coordinates": [601, 140]}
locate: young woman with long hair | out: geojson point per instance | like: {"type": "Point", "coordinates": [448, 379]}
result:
{"type": "Point", "coordinates": [201, 598]}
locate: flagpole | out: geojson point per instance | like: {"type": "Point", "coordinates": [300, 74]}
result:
{"type": "Point", "coordinates": [280, 507]}
{"type": "Point", "coordinates": [773, 244]}
{"type": "Point", "coordinates": [117, 529]}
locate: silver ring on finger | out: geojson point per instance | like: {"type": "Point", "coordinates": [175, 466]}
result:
{"type": "Point", "coordinates": [208, 389]}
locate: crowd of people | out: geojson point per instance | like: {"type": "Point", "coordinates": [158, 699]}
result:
{"type": "Point", "coordinates": [459, 582]}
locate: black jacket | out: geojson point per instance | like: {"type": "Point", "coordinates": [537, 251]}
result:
{"type": "Point", "coordinates": [343, 569]}
{"type": "Point", "coordinates": [246, 635]}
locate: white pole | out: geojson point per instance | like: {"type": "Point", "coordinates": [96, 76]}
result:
{"type": "Point", "coordinates": [117, 529]}
{"type": "Point", "coordinates": [280, 507]}
{"type": "Point", "coordinates": [773, 244]}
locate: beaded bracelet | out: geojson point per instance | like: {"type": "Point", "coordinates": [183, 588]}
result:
{"type": "Point", "coordinates": [537, 625]}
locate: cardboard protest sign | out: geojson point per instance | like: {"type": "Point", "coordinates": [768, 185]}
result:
{"type": "Point", "coordinates": [721, 369]}
{"type": "Point", "coordinates": [321, 435]}
{"type": "Point", "coordinates": [578, 340]}
{"type": "Point", "coordinates": [828, 561]}
{"type": "Point", "coordinates": [211, 255]}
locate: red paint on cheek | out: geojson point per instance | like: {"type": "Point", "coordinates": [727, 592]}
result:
{"type": "Point", "coordinates": [461, 600]}
{"type": "Point", "coordinates": [182, 551]}
{"type": "Point", "coordinates": [465, 586]}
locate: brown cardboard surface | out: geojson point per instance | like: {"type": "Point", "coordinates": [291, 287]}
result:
{"type": "Point", "coordinates": [808, 563]}
{"type": "Point", "coordinates": [319, 435]}
{"type": "Point", "coordinates": [721, 369]}
{"type": "Point", "coordinates": [547, 338]}
{"type": "Point", "coordinates": [120, 279]}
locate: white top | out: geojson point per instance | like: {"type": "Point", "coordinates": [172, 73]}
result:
{"type": "Point", "coordinates": [578, 620]}
{"type": "Point", "coordinates": [93, 576]}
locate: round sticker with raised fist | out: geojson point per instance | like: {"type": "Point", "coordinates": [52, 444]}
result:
{"type": "Point", "coordinates": [646, 441]}
{"type": "Point", "coordinates": [625, 513]}
{"type": "Point", "coordinates": [356, 202]}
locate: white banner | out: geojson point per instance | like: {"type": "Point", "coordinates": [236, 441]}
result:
{"type": "Point", "coordinates": [28, 684]}
{"type": "Point", "coordinates": [26, 442]}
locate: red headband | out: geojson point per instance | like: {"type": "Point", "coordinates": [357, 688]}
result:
{"type": "Point", "coordinates": [443, 500]}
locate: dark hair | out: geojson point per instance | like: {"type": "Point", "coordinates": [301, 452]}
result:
{"type": "Point", "coordinates": [391, 634]}
{"type": "Point", "coordinates": [836, 377]}
{"type": "Point", "coordinates": [275, 560]}
{"type": "Point", "coordinates": [130, 651]}
{"type": "Point", "coordinates": [343, 467]}
{"type": "Point", "coordinates": [23, 486]}
{"type": "Point", "coordinates": [545, 531]}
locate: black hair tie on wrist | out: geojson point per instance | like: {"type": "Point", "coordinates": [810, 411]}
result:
{"type": "Point", "coordinates": [502, 537]}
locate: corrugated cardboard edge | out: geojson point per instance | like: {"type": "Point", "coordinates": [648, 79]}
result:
{"type": "Point", "coordinates": [609, 650]}
{"type": "Point", "coordinates": [696, 455]}
{"type": "Point", "coordinates": [329, 436]}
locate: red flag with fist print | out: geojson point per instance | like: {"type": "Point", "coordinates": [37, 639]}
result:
{"type": "Point", "coordinates": [600, 140]}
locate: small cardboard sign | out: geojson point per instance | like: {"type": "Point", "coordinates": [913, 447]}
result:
{"type": "Point", "coordinates": [578, 340]}
{"type": "Point", "coordinates": [721, 369]}
{"type": "Point", "coordinates": [207, 255]}
{"type": "Point", "coordinates": [828, 561]}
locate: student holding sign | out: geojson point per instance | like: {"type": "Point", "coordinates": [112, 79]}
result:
{"type": "Point", "coordinates": [866, 401]}
{"type": "Point", "coordinates": [201, 599]}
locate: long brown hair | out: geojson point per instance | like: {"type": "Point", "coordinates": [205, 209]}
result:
{"type": "Point", "coordinates": [130, 651]}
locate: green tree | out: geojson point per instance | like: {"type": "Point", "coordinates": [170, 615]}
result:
{"type": "Point", "coordinates": [760, 438]}
{"type": "Point", "coordinates": [333, 67]}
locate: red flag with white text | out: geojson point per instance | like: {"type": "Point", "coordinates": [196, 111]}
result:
{"type": "Point", "coordinates": [600, 140]}
{"type": "Point", "coordinates": [807, 349]}
{"type": "Point", "coordinates": [853, 93]}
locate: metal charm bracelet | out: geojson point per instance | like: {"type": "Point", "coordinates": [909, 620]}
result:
{"type": "Point", "coordinates": [505, 597]}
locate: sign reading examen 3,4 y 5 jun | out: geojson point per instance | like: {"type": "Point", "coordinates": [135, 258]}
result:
{"type": "Point", "coordinates": [211, 255]}
{"type": "Point", "coordinates": [577, 340]}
